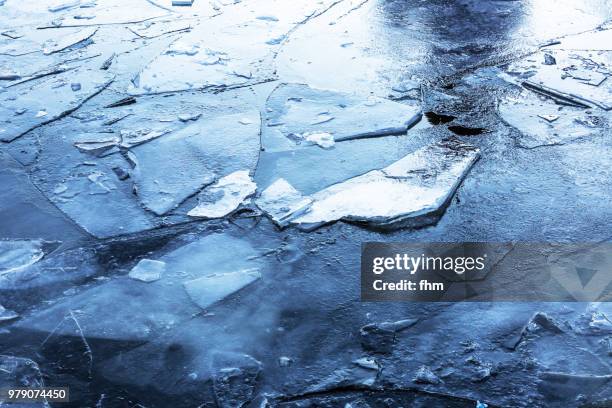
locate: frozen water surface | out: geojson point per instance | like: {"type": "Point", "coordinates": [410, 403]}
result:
{"type": "Point", "coordinates": [121, 119]}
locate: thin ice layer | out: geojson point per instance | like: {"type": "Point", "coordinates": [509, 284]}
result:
{"type": "Point", "coordinates": [413, 189]}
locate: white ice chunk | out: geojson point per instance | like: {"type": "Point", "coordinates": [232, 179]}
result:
{"type": "Point", "coordinates": [415, 187]}
{"type": "Point", "coordinates": [16, 255]}
{"type": "Point", "coordinates": [224, 196]}
{"type": "Point", "coordinates": [282, 202]}
{"type": "Point", "coordinates": [322, 139]}
{"type": "Point", "coordinates": [148, 270]}
{"type": "Point", "coordinates": [208, 290]}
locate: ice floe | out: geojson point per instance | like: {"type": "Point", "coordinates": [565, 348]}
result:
{"type": "Point", "coordinates": [410, 192]}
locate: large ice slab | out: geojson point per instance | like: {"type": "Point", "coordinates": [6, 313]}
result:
{"type": "Point", "coordinates": [410, 192]}
{"type": "Point", "coordinates": [173, 167]}
{"type": "Point", "coordinates": [296, 112]}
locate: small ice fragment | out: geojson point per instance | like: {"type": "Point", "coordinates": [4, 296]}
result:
{"type": "Point", "coordinates": [281, 202]}
{"type": "Point", "coordinates": [181, 48]}
{"type": "Point", "coordinates": [209, 290]}
{"type": "Point", "coordinates": [20, 111]}
{"type": "Point", "coordinates": [549, 59]}
{"type": "Point", "coordinates": [276, 40]}
{"type": "Point", "coordinates": [367, 363]}
{"type": "Point", "coordinates": [549, 118]}
{"type": "Point", "coordinates": [41, 113]}
{"type": "Point", "coordinates": [267, 18]}
{"type": "Point", "coordinates": [322, 139]}
{"type": "Point", "coordinates": [424, 375]}
{"type": "Point", "coordinates": [122, 102]}
{"type": "Point", "coordinates": [9, 76]}
{"type": "Point", "coordinates": [6, 315]}
{"type": "Point", "coordinates": [481, 405]}
{"type": "Point", "coordinates": [284, 361]}
{"type": "Point", "coordinates": [97, 147]}
{"type": "Point", "coordinates": [224, 196]}
{"type": "Point", "coordinates": [245, 121]}
{"type": "Point", "coordinates": [148, 270]}
{"type": "Point", "coordinates": [187, 118]}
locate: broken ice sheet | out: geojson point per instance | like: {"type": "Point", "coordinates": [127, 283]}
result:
{"type": "Point", "coordinates": [232, 49]}
{"type": "Point", "coordinates": [173, 167]}
{"type": "Point", "coordinates": [208, 290]}
{"type": "Point", "coordinates": [543, 123]}
{"type": "Point", "coordinates": [65, 42]}
{"type": "Point", "coordinates": [52, 95]}
{"type": "Point", "coordinates": [578, 77]}
{"type": "Point", "coordinates": [410, 192]}
{"type": "Point", "coordinates": [224, 197]}
{"type": "Point", "coordinates": [124, 308]}
{"type": "Point", "coordinates": [17, 255]}
{"type": "Point", "coordinates": [296, 113]}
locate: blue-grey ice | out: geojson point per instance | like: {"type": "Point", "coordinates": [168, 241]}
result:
{"type": "Point", "coordinates": [148, 270]}
{"type": "Point", "coordinates": [297, 114]}
{"type": "Point", "coordinates": [208, 290]}
{"type": "Point", "coordinates": [171, 168]}
{"type": "Point", "coordinates": [196, 275]}
{"type": "Point", "coordinates": [19, 254]}
{"type": "Point", "coordinates": [47, 99]}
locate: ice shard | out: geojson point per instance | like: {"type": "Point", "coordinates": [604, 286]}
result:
{"type": "Point", "coordinates": [281, 202]}
{"type": "Point", "coordinates": [410, 192]}
{"type": "Point", "coordinates": [225, 196]}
